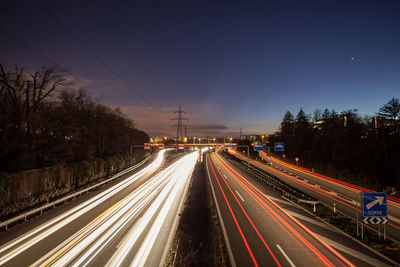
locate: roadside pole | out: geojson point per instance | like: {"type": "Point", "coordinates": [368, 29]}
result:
{"type": "Point", "coordinates": [384, 231]}
{"type": "Point", "coordinates": [361, 210]}
{"type": "Point", "coordinates": [248, 155]}
{"type": "Point", "coordinates": [358, 197]}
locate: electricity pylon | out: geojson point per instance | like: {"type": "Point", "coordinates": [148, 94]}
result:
{"type": "Point", "coordinates": [180, 126]}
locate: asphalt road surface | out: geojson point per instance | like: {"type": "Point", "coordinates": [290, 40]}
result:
{"type": "Point", "coordinates": [263, 229]}
{"type": "Point", "coordinates": [344, 196]}
{"type": "Point", "coordinates": [130, 223]}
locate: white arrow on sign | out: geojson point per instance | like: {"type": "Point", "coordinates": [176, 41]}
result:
{"type": "Point", "coordinates": [376, 201]}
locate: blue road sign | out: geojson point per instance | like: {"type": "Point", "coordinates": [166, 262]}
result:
{"type": "Point", "coordinates": [374, 204]}
{"type": "Point", "coordinates": [279, 146]}
{"type": "Point", "coordinates": [258, 148]}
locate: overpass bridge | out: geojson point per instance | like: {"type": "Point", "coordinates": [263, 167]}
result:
{"type": "Point", "coordinates": [184, 145]}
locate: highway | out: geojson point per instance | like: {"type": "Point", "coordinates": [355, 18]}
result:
{"type": "Point", "coordinates": [345, 196]}
{"type": "Point", "coordinates": [130, 223]}
{"type": "Point", "coordinates": [263, 229]}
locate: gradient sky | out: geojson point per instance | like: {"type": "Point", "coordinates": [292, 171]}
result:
{"type": "Point", "coordinates": [230, 64]}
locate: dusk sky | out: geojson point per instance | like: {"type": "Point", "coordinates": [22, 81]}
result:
{"type": "Point", "coordinates": [230, 64]}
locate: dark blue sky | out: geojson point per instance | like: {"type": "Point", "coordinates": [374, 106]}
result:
{"type": "Point", "coordinates": [231, 64]}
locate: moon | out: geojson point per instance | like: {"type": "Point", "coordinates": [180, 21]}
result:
{"type": "Point", "coordinates": [352, 58]}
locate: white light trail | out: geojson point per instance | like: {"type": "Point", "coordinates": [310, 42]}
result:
{"type": "Point", "coordinates": [18, 245]}
{"type": "Point", "coordinates": [144, 251]}
{"type": "Point", "coordinates": [85, 245]}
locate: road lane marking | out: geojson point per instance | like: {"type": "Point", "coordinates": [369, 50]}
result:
{"type": "Point", "coordinates": [286, 226]}
{"type": "Point", "coordinates": [278, 200]}
{"type": "Point", "coordinates": [225, 177]}
{"type": "Point", "coordinates": [307, 219]}
{"type": "Point", "coordinates": [352, 252]}
{"type": "Point", "coordinates": [49, 227]}
{"type": "Point", "coordinates": [286, 256]}
{"type": "Point", "coordinates": [239, 195]}
{"type": "Point", "coordinates": [221, 221]}
{"type": "Point", "coordinates": [233, 215]}
{"type": "Point", "coordinates": [137, 198]}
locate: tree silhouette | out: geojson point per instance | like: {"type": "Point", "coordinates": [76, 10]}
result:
{"type": "Point", "coordinates": [345, 145]}
{"type": "Point", "coordinates": [22, 98]}
{"type": "Point", "coordinates": [287, 122]}
{"type": "Point", "coordinates": [391, 109]}
{"type": "Point", "coordinates": [36, 131]}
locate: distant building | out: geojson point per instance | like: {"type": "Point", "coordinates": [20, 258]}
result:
{"type": "Point", "coordinates": [254, 137]}
{"type": "Point", "coordinates": [317, 124]}
{"type": "Point", "coordinates": [378, 122]}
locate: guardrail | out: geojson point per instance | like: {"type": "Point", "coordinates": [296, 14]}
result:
{"type": "Point", "coordinates": [277, 184]}
{"type": "Point", "coordinates": [243, 165]}
{"type": "Point", "coordinates": [72, 196]}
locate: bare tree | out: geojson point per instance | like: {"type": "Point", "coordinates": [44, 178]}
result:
{"type": "Point", "coordinates": [317, 116]}
{"type": "Point", "coordinates": [26, 92]}
{"type": "Point", "coordinates": [21, 96]}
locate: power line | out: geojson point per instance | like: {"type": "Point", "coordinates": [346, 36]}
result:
{"type": "Point", "coordinates": [129, 55]}
{"type": "Point", "coordinates": [63, 51]}
{"type": "Point", "coordinates": [30, 48]}
{"type": "Point", "coordinates": [134, 58]}
{"type": "Point", "coordinates": [82, 44]}
{"type": "Point", "coordinates": [91, 51]}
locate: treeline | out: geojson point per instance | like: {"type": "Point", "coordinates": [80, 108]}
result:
{"type": "Point", "coordinates": [43, 124]}
{"type": "Point", "coordinates": [363, 150]}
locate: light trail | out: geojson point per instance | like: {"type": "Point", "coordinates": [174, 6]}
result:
{"type": "Point", "coordinates": [234, 175]}
{"type": "Point", "coordinates": [234, 217]}
{"type": "Point", "coordinates": [312, 187]}
{"type": "Point", "coordinates": [27, 240]}
{"type": "Point", "coordinates": [255, 193]}
{"type": "Point", "coordinates": [355, 188]}
{"type": "Point", "coordinates": [242, 179]}
{"type": "Point", "coordinates": [176, 183]}
{"type": "Point", "coordinates": [84, 246]}
{"type": "Point", "coordinates": [392, 201]}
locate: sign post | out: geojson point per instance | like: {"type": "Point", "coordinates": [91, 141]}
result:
{"type": "Point", "coordinates": [358, 200]}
